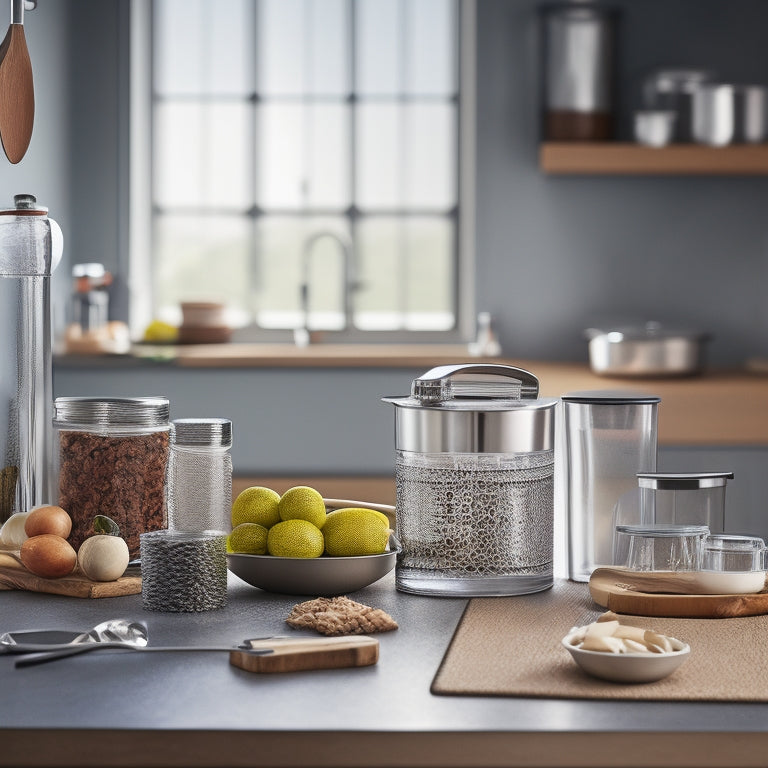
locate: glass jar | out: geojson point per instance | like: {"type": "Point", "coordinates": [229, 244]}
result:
{"type": "Point", "coordinates": [111, 458]}
{"type": "Point", "coordinates": [200, 475]}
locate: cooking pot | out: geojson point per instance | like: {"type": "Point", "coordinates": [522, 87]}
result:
{"type": "Point", "coordinates": [649, 350]}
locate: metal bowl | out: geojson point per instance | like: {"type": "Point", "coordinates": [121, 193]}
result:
{"type": "Point", "coordinates": [318, 577]}
{"type": "Point", "coordinates": [646, 351]}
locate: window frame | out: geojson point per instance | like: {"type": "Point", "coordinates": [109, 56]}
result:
{"type": "Point", "coordinates": [135, 231]}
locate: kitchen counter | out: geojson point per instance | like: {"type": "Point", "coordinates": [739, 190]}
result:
{"type": "Point", "coordinates": [721, 407]}
{"type": "Point", "coordinates": [124, 709]}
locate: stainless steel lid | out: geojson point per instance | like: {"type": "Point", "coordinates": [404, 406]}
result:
{"type": "Point", "coordinates": [469, 408]}
{"type": "Point", "coordinates": [203, 433]}
{"type": "Point", "coordinates": [610, 397]}
{"type": "Point", "coordinates": [112, 411]}
{"type": "Point", "coordinates": [682, 481]}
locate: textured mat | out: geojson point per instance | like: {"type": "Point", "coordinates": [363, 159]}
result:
{"type": "Point", "coordinates": [510, 646]}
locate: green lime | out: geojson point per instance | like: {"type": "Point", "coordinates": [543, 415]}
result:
{"type": "Point", "coordinates": [356, 531]}
{"type": "Point", "coordinates": [256, 505]}
{"type": "Point", "coordinates": [303, 503]}
{"type": "Point", "coordinates": [295, 538]}
{"type": "Point", "coordinates": [248, 538]}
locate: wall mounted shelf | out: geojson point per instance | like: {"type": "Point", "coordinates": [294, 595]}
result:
{"type": "Point", "coordinates": [617, 158]}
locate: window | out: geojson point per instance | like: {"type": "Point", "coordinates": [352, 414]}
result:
{"type": "Point", "coordinates": [308, 164]}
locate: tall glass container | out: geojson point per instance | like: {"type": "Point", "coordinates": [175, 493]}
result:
{"type": "Point", "coordinates": [30, 248]}
{"type": "Point", "coordinates": [610, 436]}
{"type": "Point", "coordinates": [200, 475]}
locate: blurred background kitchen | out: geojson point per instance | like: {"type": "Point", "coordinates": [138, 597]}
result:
{"type": "Point", "coordinates": [395, 211]}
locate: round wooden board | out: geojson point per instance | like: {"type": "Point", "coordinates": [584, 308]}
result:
{"type": "Point", "coordinates": [610, 591]}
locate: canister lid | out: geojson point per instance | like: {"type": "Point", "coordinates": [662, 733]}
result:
{"type": "Point", "coordinates": [112, 411]}
{"type": "Point", "coordinates": [210, 433]}
{"type": "Point", "coordinates": [474, 408]}
{"type": "Point", "coordinates": [610, 397]}
{"type": "Point", "coordinates": [682, 481]}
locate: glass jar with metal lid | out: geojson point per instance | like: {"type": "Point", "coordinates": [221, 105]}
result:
{"type": "Point", "coordinates": [111, 458]}
{"type": "Point", "coordinates": [474, 474]}
{"type": "Point", "coordinates": [200, 475]}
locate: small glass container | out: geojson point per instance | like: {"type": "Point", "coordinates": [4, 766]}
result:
{"type": "Point", "coordinates": [111, 458]}
{"type": "Point", "coordinates": [663, 547]}
{"type": "Point", "coordinates": [733, 564]}
{"type": "Point", "coordinates": [200, 476]}
{"type": "Point", "coordinates": [684, 498]}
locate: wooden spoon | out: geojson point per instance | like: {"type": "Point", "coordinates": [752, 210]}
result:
{"type": "Point", "coordinates": [17, 93]}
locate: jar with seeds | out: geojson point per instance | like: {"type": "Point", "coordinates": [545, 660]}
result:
{"type": "Point", "coordinates": [111, 458]}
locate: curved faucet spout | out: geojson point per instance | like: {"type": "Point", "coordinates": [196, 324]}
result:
{"type": "Point", "coordinates": [350, 283]}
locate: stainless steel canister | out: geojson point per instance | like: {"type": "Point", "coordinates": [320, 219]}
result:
{"type": "Point", "coordinates": [475, 476]}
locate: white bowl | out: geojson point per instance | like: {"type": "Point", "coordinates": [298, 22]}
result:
{"type": "Point", "coordinates": [627, 667]}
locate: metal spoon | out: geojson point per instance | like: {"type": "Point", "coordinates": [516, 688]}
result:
{"type": "Point", "coordinates": [74, 650]}
{"type": "Point", "coordinates": [124, 631]}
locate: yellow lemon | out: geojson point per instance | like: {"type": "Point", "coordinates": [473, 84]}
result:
{"type": "Point", "coordinates": [159, 331]}
{"type": "Point", "coordinates": [295, 538]}
{"type": "Point", "coordinates": [378, 514]}
{"type": "Point", "coordinates": [303, 503]}
{"type": "Point", "coordinates": [355, 531]}
{"type": "Point", "coordinates": [256, 505]}
{"type": "Point", "coordinates": [248, 538]}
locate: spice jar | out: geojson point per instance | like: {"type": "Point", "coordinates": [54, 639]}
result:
{"type": "Point", "coordinates": [111, 458]}
{"type": "Point", "coordinates": [200, 475]}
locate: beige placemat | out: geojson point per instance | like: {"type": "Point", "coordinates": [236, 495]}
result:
{"type": "Point", "coordinates": [510, 646]}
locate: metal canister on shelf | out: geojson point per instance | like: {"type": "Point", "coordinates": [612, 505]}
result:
{"type": "Point", "coordinates": [111, 458]}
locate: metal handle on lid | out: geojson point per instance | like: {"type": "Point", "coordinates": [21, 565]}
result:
{"type": "Point", "coordinates": [501, 382]}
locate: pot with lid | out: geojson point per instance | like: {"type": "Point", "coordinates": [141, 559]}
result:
{"type": "Point", "coordinates": [649, 350]}
{"type": "Point", "coordinates": [475, 474]}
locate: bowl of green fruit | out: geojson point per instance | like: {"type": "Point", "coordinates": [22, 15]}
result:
{"type": "Point", "coordinates": [300, 543]}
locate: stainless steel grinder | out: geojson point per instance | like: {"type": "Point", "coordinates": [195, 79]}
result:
{"type": "Point", "coordinates": [475, 482]}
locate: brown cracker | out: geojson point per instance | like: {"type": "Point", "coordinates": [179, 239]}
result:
{"type": "Point", "coordinates": [340, 616]}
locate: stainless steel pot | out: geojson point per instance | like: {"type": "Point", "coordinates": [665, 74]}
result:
{"type": "Point", "coordinates": [649, 350]}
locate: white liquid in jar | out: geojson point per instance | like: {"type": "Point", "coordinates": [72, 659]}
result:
{"type": "Point", "coordinates": [730, 582]}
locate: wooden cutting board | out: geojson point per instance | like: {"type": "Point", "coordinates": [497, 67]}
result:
{"type": "Point", "coordinates": [612, 589]}
{"type": "Point", "coordinates": [13, 575]}
{"type": "Point", "coordinates": [291, 654]}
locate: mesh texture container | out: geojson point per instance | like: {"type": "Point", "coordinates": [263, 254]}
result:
{"type": "Point", "coordinates": [474, 472]}
{"type": "Point", "coordinates": [200, 475]}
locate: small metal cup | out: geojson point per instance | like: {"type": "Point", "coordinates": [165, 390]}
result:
{"type": "Point", "coordinates": [714, 114]}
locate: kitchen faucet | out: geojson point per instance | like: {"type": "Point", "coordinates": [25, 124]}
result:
{"type": "Point", "coordinates": [350, 283]}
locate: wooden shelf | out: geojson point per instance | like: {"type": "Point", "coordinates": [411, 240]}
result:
{"type": "Point", "coordinates": [633, 159]}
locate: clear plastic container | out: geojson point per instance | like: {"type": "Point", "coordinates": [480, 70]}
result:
{"type": "Point", "coordinates": [695, 498]}
{"type": "Point", "coordinates": [733, 564]}
{"type": "Point", "coordinates": [662, 547]}
{"type": "Point", "coordinates": [200, 475]}
{"type": "Point", "coordinates": [610, 436]}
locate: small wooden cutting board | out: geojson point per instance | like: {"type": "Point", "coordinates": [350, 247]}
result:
{"type": "Point", "coordinates": [13, 575]}
{"type": "Point", "coordinates": [613, 589]}
{"type": "Point", "coordinates": [292, 654]}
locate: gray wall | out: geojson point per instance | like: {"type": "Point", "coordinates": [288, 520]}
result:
{"type": "Point", "coordinates": [556, 255]}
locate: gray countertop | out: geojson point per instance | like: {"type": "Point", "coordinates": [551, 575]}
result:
{"type": "Point", "coordinates": [119, 709]}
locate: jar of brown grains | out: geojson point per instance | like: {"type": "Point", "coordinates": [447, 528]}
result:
{"type": "Point", "coordinates": [111, 458]}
